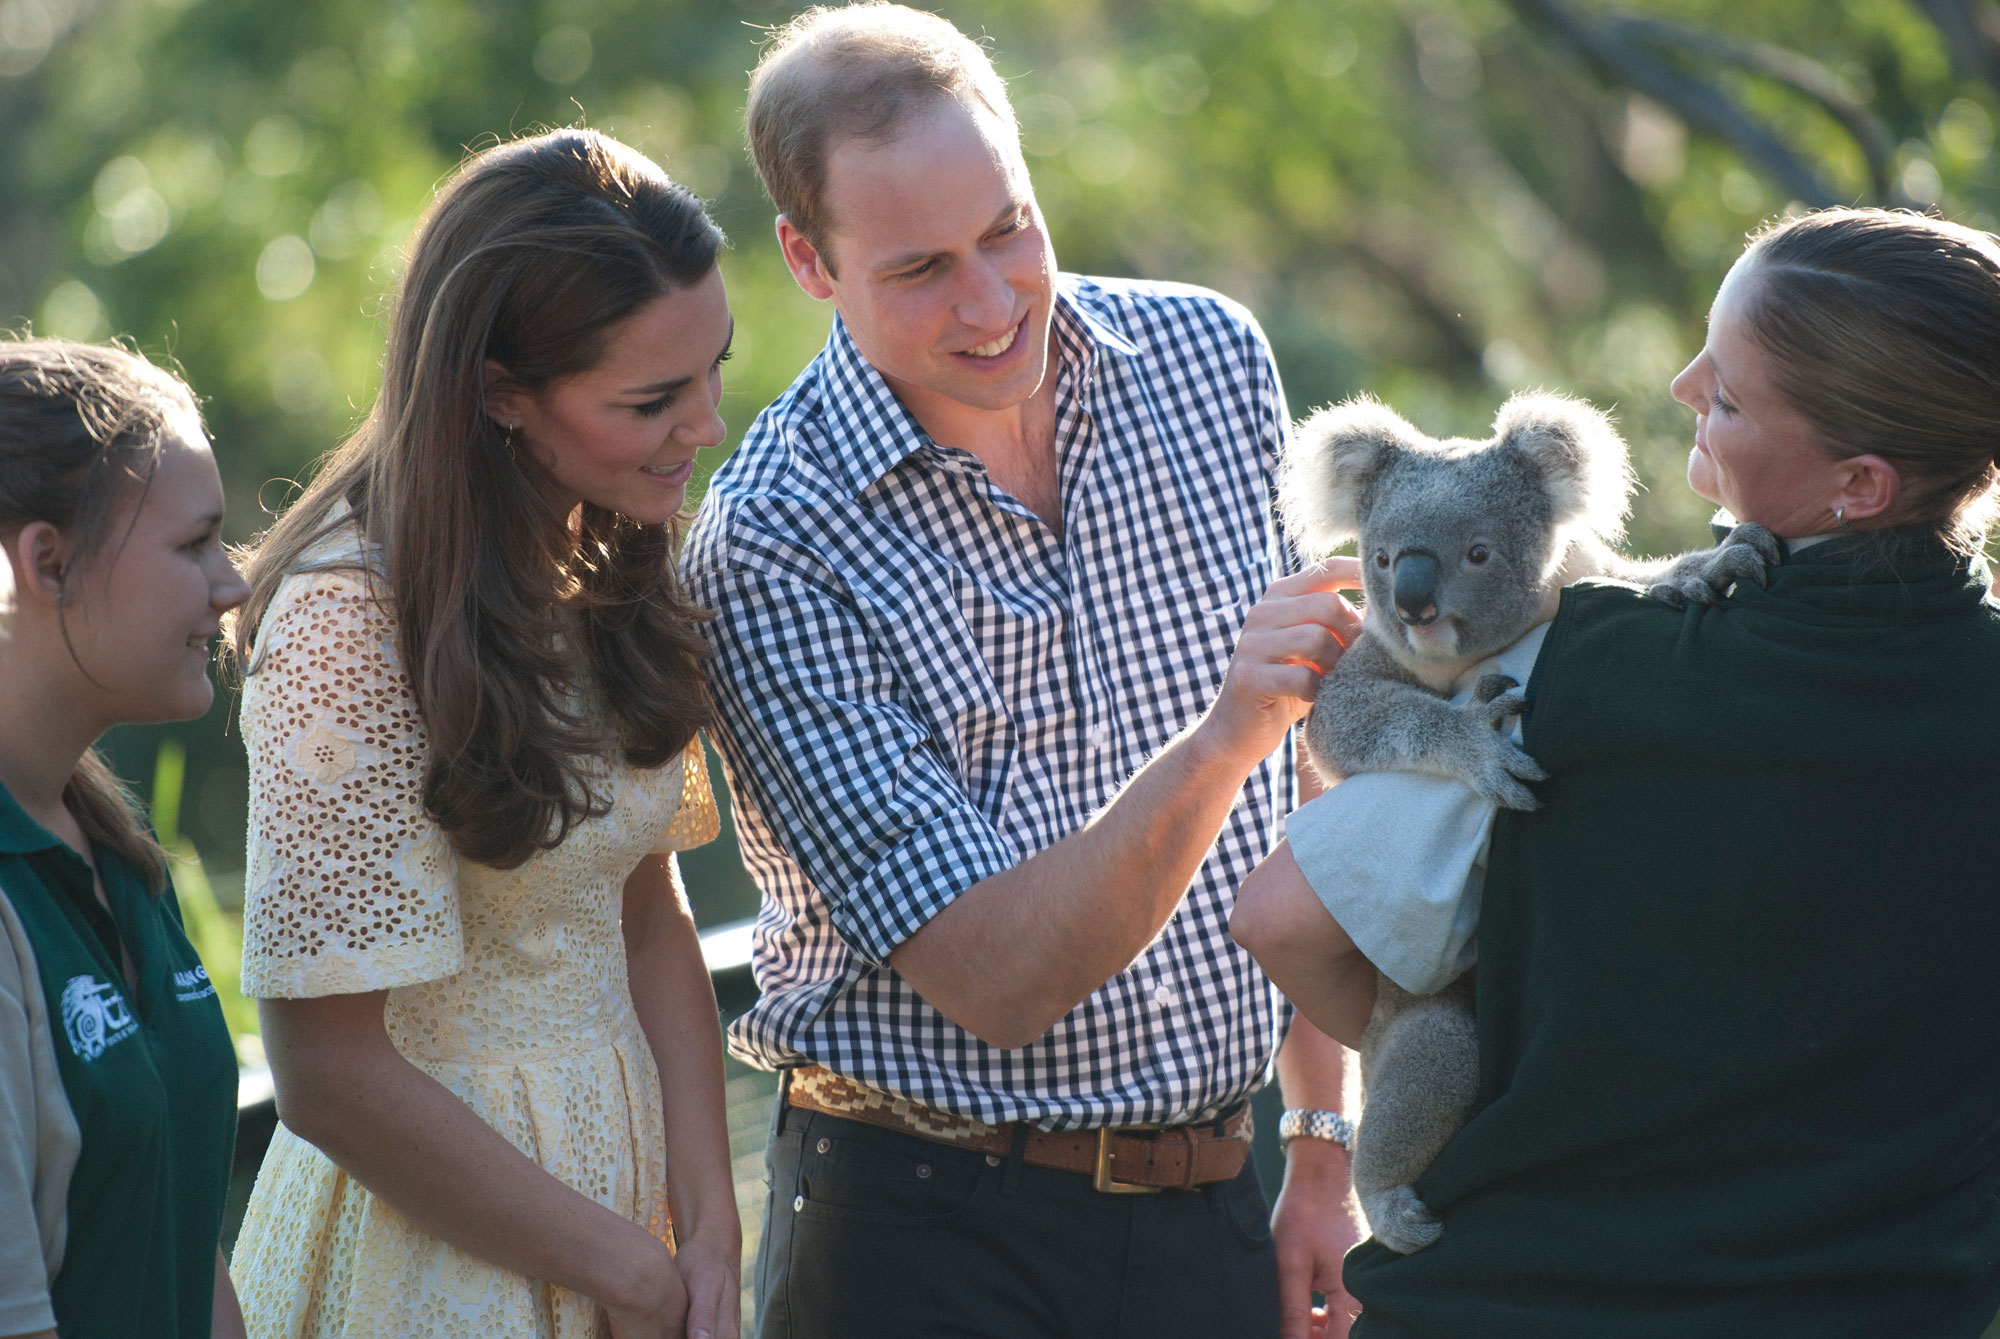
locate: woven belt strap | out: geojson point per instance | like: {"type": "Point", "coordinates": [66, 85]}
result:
{"type": "Point", "coordinates": [1176, 1157]}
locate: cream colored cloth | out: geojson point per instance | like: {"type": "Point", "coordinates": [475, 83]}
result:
{"type": "Point", "coordinates": [507, 986]}
{"type": "Point", "coordinates": [1400, 860]}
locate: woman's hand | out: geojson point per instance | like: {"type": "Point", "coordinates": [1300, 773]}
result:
{"type": "Point", "coordinates": [343, 1086]}
{"type": "Point", "coordinates": [655, 1306]}
{"type": "Point", "coordinates": [676, 1007]}
{"type": "Point", "coordinates": [712, 1271]}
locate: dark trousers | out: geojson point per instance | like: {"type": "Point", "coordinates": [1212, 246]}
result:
{"type": "Point", "coordinates": [874, 1234]}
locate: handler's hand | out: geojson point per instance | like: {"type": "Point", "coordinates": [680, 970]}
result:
{"type": "Point", "coordinates": [1313, 1224]}
{"type": "Point", "coordinates": [1291, 638]}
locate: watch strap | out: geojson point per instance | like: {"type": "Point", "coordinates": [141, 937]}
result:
{"type": "Point", "coordinates": [1304, 1122]}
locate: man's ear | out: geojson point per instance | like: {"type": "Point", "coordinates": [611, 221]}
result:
{"type": "Point", "coordinates": [39, 555]}
{"type": "Point", "coordinates": [803, 259]}
{"type": "Point", "coordinates": [506, 402]}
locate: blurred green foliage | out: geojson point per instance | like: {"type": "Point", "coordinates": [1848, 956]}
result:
{"type": "Point", "coordinates": [1436, 200]}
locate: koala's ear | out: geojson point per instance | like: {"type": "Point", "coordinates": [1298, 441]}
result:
{"type": "Point", "coordinates": [1335, 454]}
{"type": "Point", "coordinates": [1582, 459]}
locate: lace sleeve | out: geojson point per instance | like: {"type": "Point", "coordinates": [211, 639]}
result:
{"type": "Point", "coordinates": [696, 821]}
{"type": "Point", "coordinates": [351, 886]}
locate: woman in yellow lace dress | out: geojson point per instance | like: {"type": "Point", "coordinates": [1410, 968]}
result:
{"type": "Point", "coordinates": [472, 686]}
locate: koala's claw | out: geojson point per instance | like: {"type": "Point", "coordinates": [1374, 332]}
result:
{"type": "Point", "coordinates": [1401, 1221]}
{"type": "Point", "coordinates": [1493, 685]}
{"type": "Point", "coordinates": [1746, 553]}
{"type": "Point", "coordinates": [1497, 711]}
{"type": "Point", "coordinates": [1501, 774]}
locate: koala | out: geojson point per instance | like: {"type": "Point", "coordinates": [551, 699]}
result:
{"type": "Point", "coordinates": [1464, 547]}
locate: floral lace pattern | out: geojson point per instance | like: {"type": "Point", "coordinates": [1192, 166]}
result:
{"type": "Point", "coordinates": [507, 986]}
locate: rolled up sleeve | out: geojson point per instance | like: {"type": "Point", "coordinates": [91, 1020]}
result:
{"type": "Point", "coordinates": [820, 736]}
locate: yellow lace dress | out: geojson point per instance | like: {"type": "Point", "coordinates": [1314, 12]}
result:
{"type": "Point", "coordinates": [507, 986]}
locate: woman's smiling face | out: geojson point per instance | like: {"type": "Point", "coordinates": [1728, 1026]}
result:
{"type": "Point", "coordinates": [1754, 453]}
{"type": "Point", "coordinates": [623, 435]}
{"type": "Point", "coordinates": [143, 611]}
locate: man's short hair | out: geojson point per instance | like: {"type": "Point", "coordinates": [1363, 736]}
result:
{"type": "Point", "coordinates": [853, 72]}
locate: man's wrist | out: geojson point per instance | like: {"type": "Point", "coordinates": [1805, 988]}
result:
{"type": "Point", "coordinates": [1318, 1124]}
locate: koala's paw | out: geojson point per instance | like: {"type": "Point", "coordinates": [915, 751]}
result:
{"type": "Point", "coordinates": [1501, 769]}
{"type": "Point", "coordinates": [1492, 687]}
{"type": "Point", "coordinates": [1400, 1220]}
{"type": "Point", "coordinates": [1746, 553]}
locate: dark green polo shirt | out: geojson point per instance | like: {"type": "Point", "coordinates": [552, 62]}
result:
{"type": "Point", "coordinates": [1739, 979]}
{"type": "Point", "coordinates": [151, 1079]}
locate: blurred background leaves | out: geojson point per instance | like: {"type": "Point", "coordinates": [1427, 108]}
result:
{"type": "Point", "coordinates": [1439, 201]}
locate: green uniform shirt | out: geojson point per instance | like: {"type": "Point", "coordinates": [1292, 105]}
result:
{"type": "Point", "coordinates": [1739, 979]}
{"type": "Point", "coordinates": [149, 1081]}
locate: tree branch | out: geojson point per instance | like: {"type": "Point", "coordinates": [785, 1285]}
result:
{"type": "Point", "coordinates": [1791, 69]}
{"type": "Point", "coordinates": [1697, 103]}
{"type": "Point", "coordinates": [1971, 33]}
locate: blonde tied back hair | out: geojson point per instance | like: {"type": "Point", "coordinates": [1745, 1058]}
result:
{"type": "Point", "coordinates": [854, 72]}
{"type": "Point", "coordinates": [1884, 330]}
{"type": "Point", "coordinates": [505, 615]}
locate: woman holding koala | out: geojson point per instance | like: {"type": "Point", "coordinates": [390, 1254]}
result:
{"type": "Point", "coordinates": [1738, 1042]}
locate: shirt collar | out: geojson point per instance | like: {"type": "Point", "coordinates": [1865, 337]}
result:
{"type": "Point", "coordinates": [872, 430]}
{"type": "Point", "coordinates": [20, 834]}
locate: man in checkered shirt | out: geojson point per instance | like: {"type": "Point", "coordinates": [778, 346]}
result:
{"type": "Point", "coordinates": [1007, 665]}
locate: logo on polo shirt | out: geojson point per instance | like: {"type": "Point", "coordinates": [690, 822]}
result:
{"type": "Point", "coordinates": [94, 1016]}
{"type": "Point", "coordinates": [192, 986]}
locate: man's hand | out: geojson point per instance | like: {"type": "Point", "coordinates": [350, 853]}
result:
{"type": "Point", "coordinates": [1313, 1223]}
{"type": "Point", "coordinates": [1291, 638]}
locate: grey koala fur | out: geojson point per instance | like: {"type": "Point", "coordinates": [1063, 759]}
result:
{"type": "Point", "coordinates": [1464, 546]}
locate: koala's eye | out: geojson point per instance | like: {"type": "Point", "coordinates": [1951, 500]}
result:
{"type": "Point", "coordinates": [1381, 557]}
{"type": "Point", "coordinates": [1476, 554]}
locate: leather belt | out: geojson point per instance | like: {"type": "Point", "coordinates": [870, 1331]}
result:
{"type": "Point", "coordinates": [1127, 1160]}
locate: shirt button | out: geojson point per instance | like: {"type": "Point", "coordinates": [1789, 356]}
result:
{"type": "Point", "coordinates": [798, 1203]}
{"type": "Point", "coordinates": [825, 1144]}
{"type": "Point", "coordinates": [1163, 997]}
{"type": "Point", "coordinates": [1100, 735]}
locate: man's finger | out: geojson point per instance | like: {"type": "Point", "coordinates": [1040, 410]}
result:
{"type": "Point", "coordinates": [1323, 608]}
{"type": "Point", "coordinates": [1326, 574]}
{"type": "Point", "coordinates": [1294, 1297]}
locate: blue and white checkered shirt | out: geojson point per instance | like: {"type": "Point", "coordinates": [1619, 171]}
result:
{"type": "Point", "coordinates": [921, 685]}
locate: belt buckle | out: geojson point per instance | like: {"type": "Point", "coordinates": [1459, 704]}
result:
{"type": "Point", "coordinates": [1101, 1181]}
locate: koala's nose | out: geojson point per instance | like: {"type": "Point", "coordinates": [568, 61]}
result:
{"type": "Point", "coordinates": [1416, 589]}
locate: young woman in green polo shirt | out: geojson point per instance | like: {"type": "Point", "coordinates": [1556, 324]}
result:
{"type": "Point", "coordinates": [117, 1080]}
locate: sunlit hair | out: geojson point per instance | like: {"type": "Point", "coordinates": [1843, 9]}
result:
{"type": "Point", "coordinates": [854, 72]}
{"type": "Point", "coordinates": [81, 427]}
{"type": "Point", "coordinates": [1884, 330]}
{"type": "Point", "coordinates": [507, 617]}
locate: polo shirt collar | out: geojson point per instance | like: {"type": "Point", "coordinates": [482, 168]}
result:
{"type": "Point", "coordinates": [872, 431]}
{"type": "Point", "coordinates": [20, 834]}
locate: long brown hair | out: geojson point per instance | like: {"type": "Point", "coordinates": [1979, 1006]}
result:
{"type": "Point", "coordinates": [505, 613]}
{"type": "Point", "coordinates": [81, 426]}
{"type": "Point", "coordinates": [1885, 331]}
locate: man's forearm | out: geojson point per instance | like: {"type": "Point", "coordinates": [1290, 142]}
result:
{"type": "Point", "coordinates": [1015, 952]}
{"type": "Point", "coordinates": [1011, 955]}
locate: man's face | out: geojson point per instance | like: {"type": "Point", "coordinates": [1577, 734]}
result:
{"type": "Point", "coordinates": [945, 275]}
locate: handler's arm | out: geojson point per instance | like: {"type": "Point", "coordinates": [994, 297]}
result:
{"type": "Point", "coordinates": [1049, 931]}
{"type": "Point", "coordinates": [676, 1005]}
{"type": "Point", "coordinates": [343, 1086]}
{"type": "Point", "coordinates": [1280, 920]}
